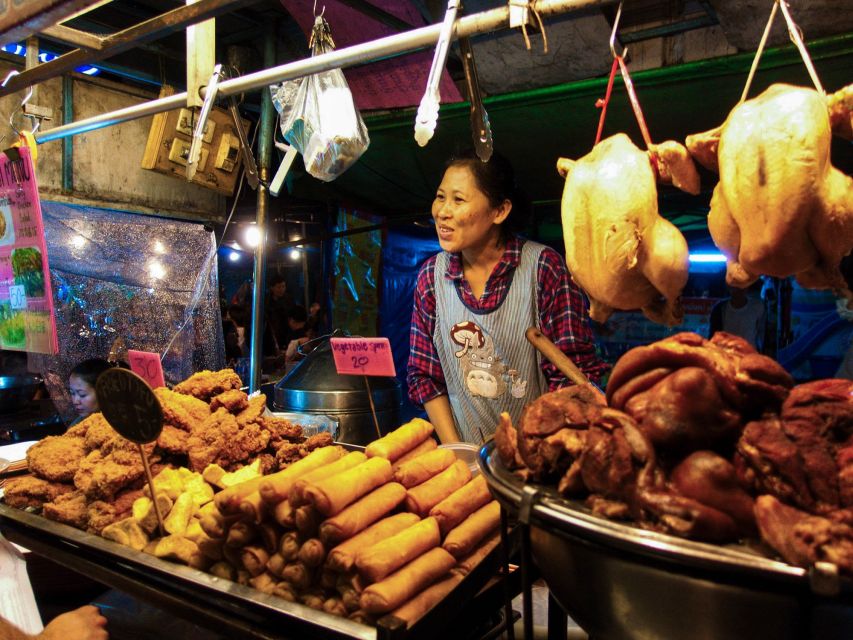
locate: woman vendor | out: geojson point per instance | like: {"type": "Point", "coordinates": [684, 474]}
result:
{"type": "Point", "coordinates": [469, 359]}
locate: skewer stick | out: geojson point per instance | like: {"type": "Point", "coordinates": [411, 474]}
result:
{"type": "Point", "coordinates": [153, 491]}
{"type": "Point", "coordinates": [372, 408]}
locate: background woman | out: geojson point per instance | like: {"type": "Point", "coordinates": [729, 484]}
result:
{"type": "Point", "coordinates": [469, 359]}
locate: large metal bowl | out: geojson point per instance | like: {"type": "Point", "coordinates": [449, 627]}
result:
{"type": "Point", "coordinates": [15, 391]}
{"type": "Point", "coordinates": [620, 582]}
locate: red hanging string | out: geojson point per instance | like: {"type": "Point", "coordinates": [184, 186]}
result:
{"type": "Point", "coordinates": [602, 103]}
{"type": "Point", "coordinates": [635, 104]}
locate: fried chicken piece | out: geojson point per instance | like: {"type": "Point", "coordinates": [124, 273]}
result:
{"type": "Point", "coordinates": [56, 458]}
{"type": "Point", "coordinates": [102, 513]}
{"type": "Point", "coordinates": [287, 453]}
{"type": "Point", "coordinates": [181, 411]}
{"type": "Point", "coordinates": [206, 384]}
{"type": "Point", "coordinates": [322, 439]}
{"type": "Point", "coordinates": [29, 491]}
{"type": "Point", "coordinates": [173, 440]}
{"type": "Point", "coordinates": [234, 400]}
{"type": "Point", "coordinates": [102, 476]}
{"type": "Point", "coordinates": [78, 430]}
{"type": "Point", "coordinates": [70, 508]}
{"type": "Point", "coordinates": [281, 430]}
{"type": "Point", "coordinates": [254, 411]}
{"type": "Point", "coordinates": [98, 432]}
{"type": "Point", "coordinates": [221, 440]}
{"type": "Point", "coordinates": [268, 463]}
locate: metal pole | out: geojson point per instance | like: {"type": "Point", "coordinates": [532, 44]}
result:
{"type": "Point", "coordinates": [397, 44]}
{"type": "Point", "coordinates": [67, 143]}
{"type": "Point", "coordinates": [265, 136]}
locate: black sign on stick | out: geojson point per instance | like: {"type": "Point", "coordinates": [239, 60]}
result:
{"type": "Point", "coordinates": [129, 405]}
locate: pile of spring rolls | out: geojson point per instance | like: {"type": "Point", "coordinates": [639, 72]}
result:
{"type": "Point", "coordinates": [391, 530]}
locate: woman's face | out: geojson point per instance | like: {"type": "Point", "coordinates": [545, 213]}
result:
{"type": "Point", "coordinates": [464, 219]}
{"type": "Point", "coordinates": [82, 396]}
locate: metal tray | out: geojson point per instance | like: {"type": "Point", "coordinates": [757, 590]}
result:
{"type": "Point", "coordinates": [620, 582]}
{"type": "Point", "coordinates": [223, 605]}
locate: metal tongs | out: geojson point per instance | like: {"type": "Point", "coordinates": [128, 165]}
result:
{"type": "Point", "coordinates": [427, 116]}
{"type": "Point", "coordinates": [481, 130]}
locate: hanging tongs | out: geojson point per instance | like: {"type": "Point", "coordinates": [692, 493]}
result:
{"type": "Point", "coordinates": [427, 116]}
{"type": "Point", "coordinates": [250, 169]}
{"type": "Point", "coordinates": [209, 98]}
{"type": "Point", "coordinates": [481, 130]}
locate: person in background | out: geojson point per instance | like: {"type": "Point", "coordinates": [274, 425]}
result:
{"type": "Point", "coordinates": [277, 306]}
{"type": "Point", "coordinates": [743, 314]}
{"type": "Point", "coordinates": [297, 324]}
{"type": "Point", "coordinates": [81, 384]}
{"type": "Point", "coordinates": [231, 337]}
{"type": "Point", "coordinates": [85, 623]}
{"type": "Point", "coordinates": [469, 360]}
{"type": "Point", "coordinates": [316, 317]}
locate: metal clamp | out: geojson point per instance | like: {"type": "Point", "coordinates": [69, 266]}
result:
{"type": "Point", "coordinates": [198, 134]}
{"type": "Point", "coordinates": [528, 500]}
{"type": "Point", "coordinates": [249, 166]}
{"type": "Point", "coordinates": [481, 130]}
{"type": "Point", "coordinates": [427, 116]}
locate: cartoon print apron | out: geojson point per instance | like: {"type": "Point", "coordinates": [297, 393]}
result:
{"type": "Point", "coordinates": [488, 364]}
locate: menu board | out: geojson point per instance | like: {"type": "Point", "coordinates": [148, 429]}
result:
{"type": "Point", "coordinates": [27, 321]}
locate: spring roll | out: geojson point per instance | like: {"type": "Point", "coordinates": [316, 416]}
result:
{"type": "Point", "coordinates": [298, 575]}
{"type": "Point", "coordinates": [362, 617]}
{"type": "Point", "coordinates": [253, 507]}
{"type": "Point", "coordinates": [285, 514]}
{"type": "Point", "coordinates": [335, 606]}
{"type": "Point", "coordinates": [424, 467]}
{"type": "Point", "coordinates": [285, 591]}
{"type": "Point", "coordinates": [254, 559]}
{"type": "Point", "coordinates": [461, 540]}
{"type": "Point", "coordinates": [350, 598]}
{"type": "Point", "coordinates": [289, 545]}
{"type": "Point", "coordinates": [314, 599]}
{"type": "Point", "coordinates": [424, 447]}
{"type": "Point", "coordinates": [307, 520]}
{"type": "Point", "coordinates": [467, 564]}
{"type": "Point", "coordinates": [228, 500]}
{"type": "Point", "coordinates": [362, 513]}
{"type": "Point", "coordinates": [461, 503]}
{"type": "Point", "coordinates": [342, 557]}
{"type": "Point", "coordinates": [275, 487]}
{"type": "Point", "coordinates": [400, 441]}
{"type": "Point", "coordinates": [415, 608]}
{"type": "Point", "coordinates": [240, 534]}
{"type": "Point", "coordinates": [400, 586]}
{"type": "Point", "coordinates": [331, 495]}
{"type": "Point", "coordinates": [297, 491]}
{"type": "Point", "coordinates": [276, 564]}
{"type": "Point", "coordinates": [379, 560]}
{"type": "Point", "coordinates": [424, 497]}
{"type": "Point", "coordinates": [312, 553]}
{"type": "Point", "coordinates": [265, 583]}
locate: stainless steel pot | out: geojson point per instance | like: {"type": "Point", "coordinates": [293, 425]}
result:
{"type": "Point", "coordinates": [15, 391]}
{"type": "Point", "coordinates": [314, 386]}
{"type": "Point", "coordinates": [621, 582]}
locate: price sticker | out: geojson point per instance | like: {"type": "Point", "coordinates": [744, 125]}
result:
{"type": "Point", "coordinates": [147, 365]}
{"type": "Point", "coordinates": [129, 405]}
{"type": "Point", "coordinates": [363, 356]}
{"type": "Point", "coordinates": [17, 296]}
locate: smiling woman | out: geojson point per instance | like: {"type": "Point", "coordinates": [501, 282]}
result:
{"type": "Point", "coordinates": [469, 360]}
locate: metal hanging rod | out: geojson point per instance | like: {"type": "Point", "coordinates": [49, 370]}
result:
{"type": "Point", "coordinates": [396, 44]}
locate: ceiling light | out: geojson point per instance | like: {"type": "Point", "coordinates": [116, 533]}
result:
{"type": "Point", "coordinates": [294, 254]}
{"type": "Point", "coordinates": [253, 236]}
{"type": "Point", "coordinates": [234, 256]}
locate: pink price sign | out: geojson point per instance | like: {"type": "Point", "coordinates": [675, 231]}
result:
{"type": "Point", "coordinates": [147, 366]}
{"type": "Point", "coordinates": [363, 356]}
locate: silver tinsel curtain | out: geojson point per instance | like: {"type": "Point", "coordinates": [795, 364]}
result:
{"type": "Point", "coordinates": [129, 281]}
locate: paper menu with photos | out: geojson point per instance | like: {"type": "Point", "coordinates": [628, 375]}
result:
{"type": "Point", "coordinates": [27, 319]}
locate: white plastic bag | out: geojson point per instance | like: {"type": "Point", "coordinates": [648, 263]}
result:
{"type": "Point", "coordinates": [318, 115]}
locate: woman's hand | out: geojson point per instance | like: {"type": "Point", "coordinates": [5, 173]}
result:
{"type": "Point", "coordinates": [85, 623]}
{"type": "Point", "coordinates": [441, 417]}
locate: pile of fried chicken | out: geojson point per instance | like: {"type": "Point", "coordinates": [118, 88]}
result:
{"type": "Point", "coordinates": [90, 476]}
{"type": "Point", "coordinates": [705, 439]}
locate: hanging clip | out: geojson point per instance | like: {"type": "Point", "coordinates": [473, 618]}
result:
{"type": "Point", "coordinates": [481, 130]}
{"type": "Point", "coordinates": [624, 54]}
{"type": "Point", "coordinates": [198, 134]}
{"type": "Point", "coordinates": [427, 116]}
{"type": "Point", "coordinates": [519, 16]}
{"type": "Point", "coordinates": [250, 168]}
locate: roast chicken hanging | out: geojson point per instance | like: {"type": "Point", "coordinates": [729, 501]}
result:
{"type": "Point", "coordinates": [618, 249]}
{"type": "Point", "coordinates": [781, 208]}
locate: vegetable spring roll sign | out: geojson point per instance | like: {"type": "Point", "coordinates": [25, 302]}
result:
{"type": "Point", "coordinates": [27, 319]}
{"type": "Point", "coordinates": [363, 356]}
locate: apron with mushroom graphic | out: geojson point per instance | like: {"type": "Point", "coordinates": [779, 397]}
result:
{"type": "Point", "coordinates": [488, 365]}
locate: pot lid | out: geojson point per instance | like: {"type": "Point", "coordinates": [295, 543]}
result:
{"type": "Point", "coordinates": [315, 385]}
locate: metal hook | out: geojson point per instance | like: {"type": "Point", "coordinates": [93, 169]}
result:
{"type": "Point", "coordinates": [322, 12]}
{"type": "Point", "coordinates": [613, 35]}
{"type": "Point", "coordinates": [24, 101]}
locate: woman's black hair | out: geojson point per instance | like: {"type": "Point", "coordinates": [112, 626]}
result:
{"type": "Point", "coordinates": [89, 370]}
{"type": "Point", "coordinates": [496, 179]}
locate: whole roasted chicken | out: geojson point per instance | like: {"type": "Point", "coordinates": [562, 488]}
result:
{"type": "Point", "coordinates": [618, 249]}
{"type": "Point", "coordinates": [780, 208]}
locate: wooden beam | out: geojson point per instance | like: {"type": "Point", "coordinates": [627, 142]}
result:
{"type": "Point", "coordinates": [157, 27]}
{"type": "Point", "coordinates": [21, 19]}
{"type": "Point", "coordinates": [67, 35]}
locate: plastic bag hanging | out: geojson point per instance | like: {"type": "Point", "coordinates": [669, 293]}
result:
{"type": "Point", "coordinates": [318, 115]}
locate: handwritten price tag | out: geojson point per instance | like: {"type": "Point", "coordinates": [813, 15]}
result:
{"type": "Point", "coordinates": [17, 297]}
{"type": "Point", "coordinates": [147, 366]}
{"type": "Point", "coordinates": [363, 356]}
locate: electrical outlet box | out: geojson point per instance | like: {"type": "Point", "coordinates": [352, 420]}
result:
{"type": "Point", "coordinates": [187, 122]}
{"type": "Point", "coordinates": [169, 141]}
{"type": "Point", "coordinates": [179, 152]}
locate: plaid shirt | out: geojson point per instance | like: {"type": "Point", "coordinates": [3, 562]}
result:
{"type": "Point", "coordinates": [562, 318]}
